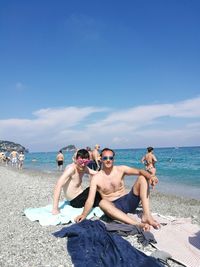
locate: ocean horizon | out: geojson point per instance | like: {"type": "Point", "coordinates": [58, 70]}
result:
{"type": "Point", "coordinates": [178, 168]}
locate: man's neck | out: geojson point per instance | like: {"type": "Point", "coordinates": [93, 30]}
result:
{"type": "Point", "coordinates": [80, 169]}
{"type": "Point", "coordinates": [107, 171]}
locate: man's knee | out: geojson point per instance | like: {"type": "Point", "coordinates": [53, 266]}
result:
{"type": "Point", "coordinates": [106, 205]}
{"type": "Point", "coordinates": [140, 182]}
{"type": "Point", "coordinates": [102, 203]}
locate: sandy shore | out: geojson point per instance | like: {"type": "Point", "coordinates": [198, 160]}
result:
{"type": "Point", "coordinates": [25, 243]}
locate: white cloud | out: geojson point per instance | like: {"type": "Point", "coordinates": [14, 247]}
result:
{"type": "Point", "coordinates": [139, 126]}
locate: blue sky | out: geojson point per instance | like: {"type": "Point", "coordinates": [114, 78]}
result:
{"type": "Point", "coordinates": [125, 74]}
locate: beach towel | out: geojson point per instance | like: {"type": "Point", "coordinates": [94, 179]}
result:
{"type": "Point", "coordinates": [89, 244]}
{"type": "Point", "coordinates": [179, 237]}
{"type": "Point", "coordinates": [67, 214]}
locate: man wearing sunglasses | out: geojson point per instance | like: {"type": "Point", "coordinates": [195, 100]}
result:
{"type": "Point", "coordinates": [116, 202]}
{"type": "Point", "coordinates": [71, 183]}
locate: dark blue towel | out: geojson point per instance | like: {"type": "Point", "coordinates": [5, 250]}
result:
{"type": "Point", "coordinates": [89, 244]}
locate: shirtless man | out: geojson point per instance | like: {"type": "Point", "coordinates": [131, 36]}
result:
{"type": "Point", "coordinates": [149, 160]}
{"type": "Point", "coordinates": [116, 203]}
{"type": "Point", "coordinates": [60, 160]}
{"type": "Point", "coordinates": [96, 158]}
{"type": "Point", "coordinates": [71, 183]}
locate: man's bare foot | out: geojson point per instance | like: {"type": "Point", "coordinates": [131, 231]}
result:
{"type": "Point", "coordinates": [150, 220]}
{"type": "Point", "coordinates": [144, 226]}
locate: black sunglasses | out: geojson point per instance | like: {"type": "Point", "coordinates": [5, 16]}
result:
{"type": "Point", "coordinates": [107, 158]}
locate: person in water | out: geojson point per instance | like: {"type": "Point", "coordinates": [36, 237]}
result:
{"type": "Point", "coordinates": [60, 160]}
{"type": "Point", "coordinates": [149, 160]}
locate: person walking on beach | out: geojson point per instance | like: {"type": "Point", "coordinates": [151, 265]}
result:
{"type": "Point", "coordinates": [149, 160]}
{"type": "Point", "coordinates": [71, 183]}
{"type": "Point", "coordinates": [21, 159]}
{"type": "Point", "coordinates": [14, 158]}
{"type": "Point", "coordinates": [116, 202]}
{"type": "Point", "coordinates": [60, 160]}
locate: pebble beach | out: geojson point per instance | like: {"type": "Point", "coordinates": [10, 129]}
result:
{"type": "Point", "coordinates": [28, 244]}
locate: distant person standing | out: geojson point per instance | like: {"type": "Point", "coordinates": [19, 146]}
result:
{"type": "Point", "coordinates": [60, 160]}
{"type": "Point", "coordinates": [149, 160]}
{"type": "Point", "coordinates": [21, 159]}
{"type": "Point", "coordinates": [2, 157]}
{"type": "Point", "coordinates": [96, 159]}
{"type": "Point", "coordinates": [14, 158]}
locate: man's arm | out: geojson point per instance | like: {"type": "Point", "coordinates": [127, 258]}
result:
{"type": "Point", "coordinates": [154, 158]}
{"type": "Point", "coordinates": [143, 159]}
{"type": "Point", "coordinates": [57, 190]}
{"type": "Point", "coordinates": [89, 202]}
{"type": "Point", "coordinates": [153, 180]}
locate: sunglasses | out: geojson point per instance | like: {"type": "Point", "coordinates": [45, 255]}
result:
{"type": "Point", "coordinates": [83, 161]}
{"type": "Point", "coordinates": [107, 158]}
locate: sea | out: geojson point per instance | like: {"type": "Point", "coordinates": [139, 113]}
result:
{"type": "Point", "coordinates": [178, 168]}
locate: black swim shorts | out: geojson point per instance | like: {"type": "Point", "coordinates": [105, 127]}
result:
{"type": "Point", "coordinates": [79, 201]}
{"type": "Point", "coordinates": [60, 162]}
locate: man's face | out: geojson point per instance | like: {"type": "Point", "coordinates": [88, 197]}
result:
{"type": "Point", "coordinates": [107, 159]}
{"type": "Point", "coordinates": [82, 162]}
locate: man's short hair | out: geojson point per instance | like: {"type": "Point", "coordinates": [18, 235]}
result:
{"type": "Point", "coordinates": [107, 149]}
{"type": "Point", "coordinates": [82, 153]}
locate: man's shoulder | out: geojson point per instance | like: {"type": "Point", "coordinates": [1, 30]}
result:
{"type": "Point", "coordinates": [120, 167]}
{"type": "Point", "coordinates": [70, 167]}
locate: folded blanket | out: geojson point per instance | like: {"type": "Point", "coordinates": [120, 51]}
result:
{"type": "Point", "coordinates": [67, 214]}
{"type": "Point", "coordinates": [179, 237]}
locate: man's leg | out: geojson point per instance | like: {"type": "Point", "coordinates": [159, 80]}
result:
{"type": "Point", "coordinates": [141, 189]}
{"type": "Point", "coordinates": [113, 212]}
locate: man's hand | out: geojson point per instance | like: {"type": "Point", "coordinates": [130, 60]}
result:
{"type": "Point", "coordinates": [153, 181]}
{"type": "Point", "coordinates": [55, 211]}
{"type": "Point", "coordinates": [80, 218]}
